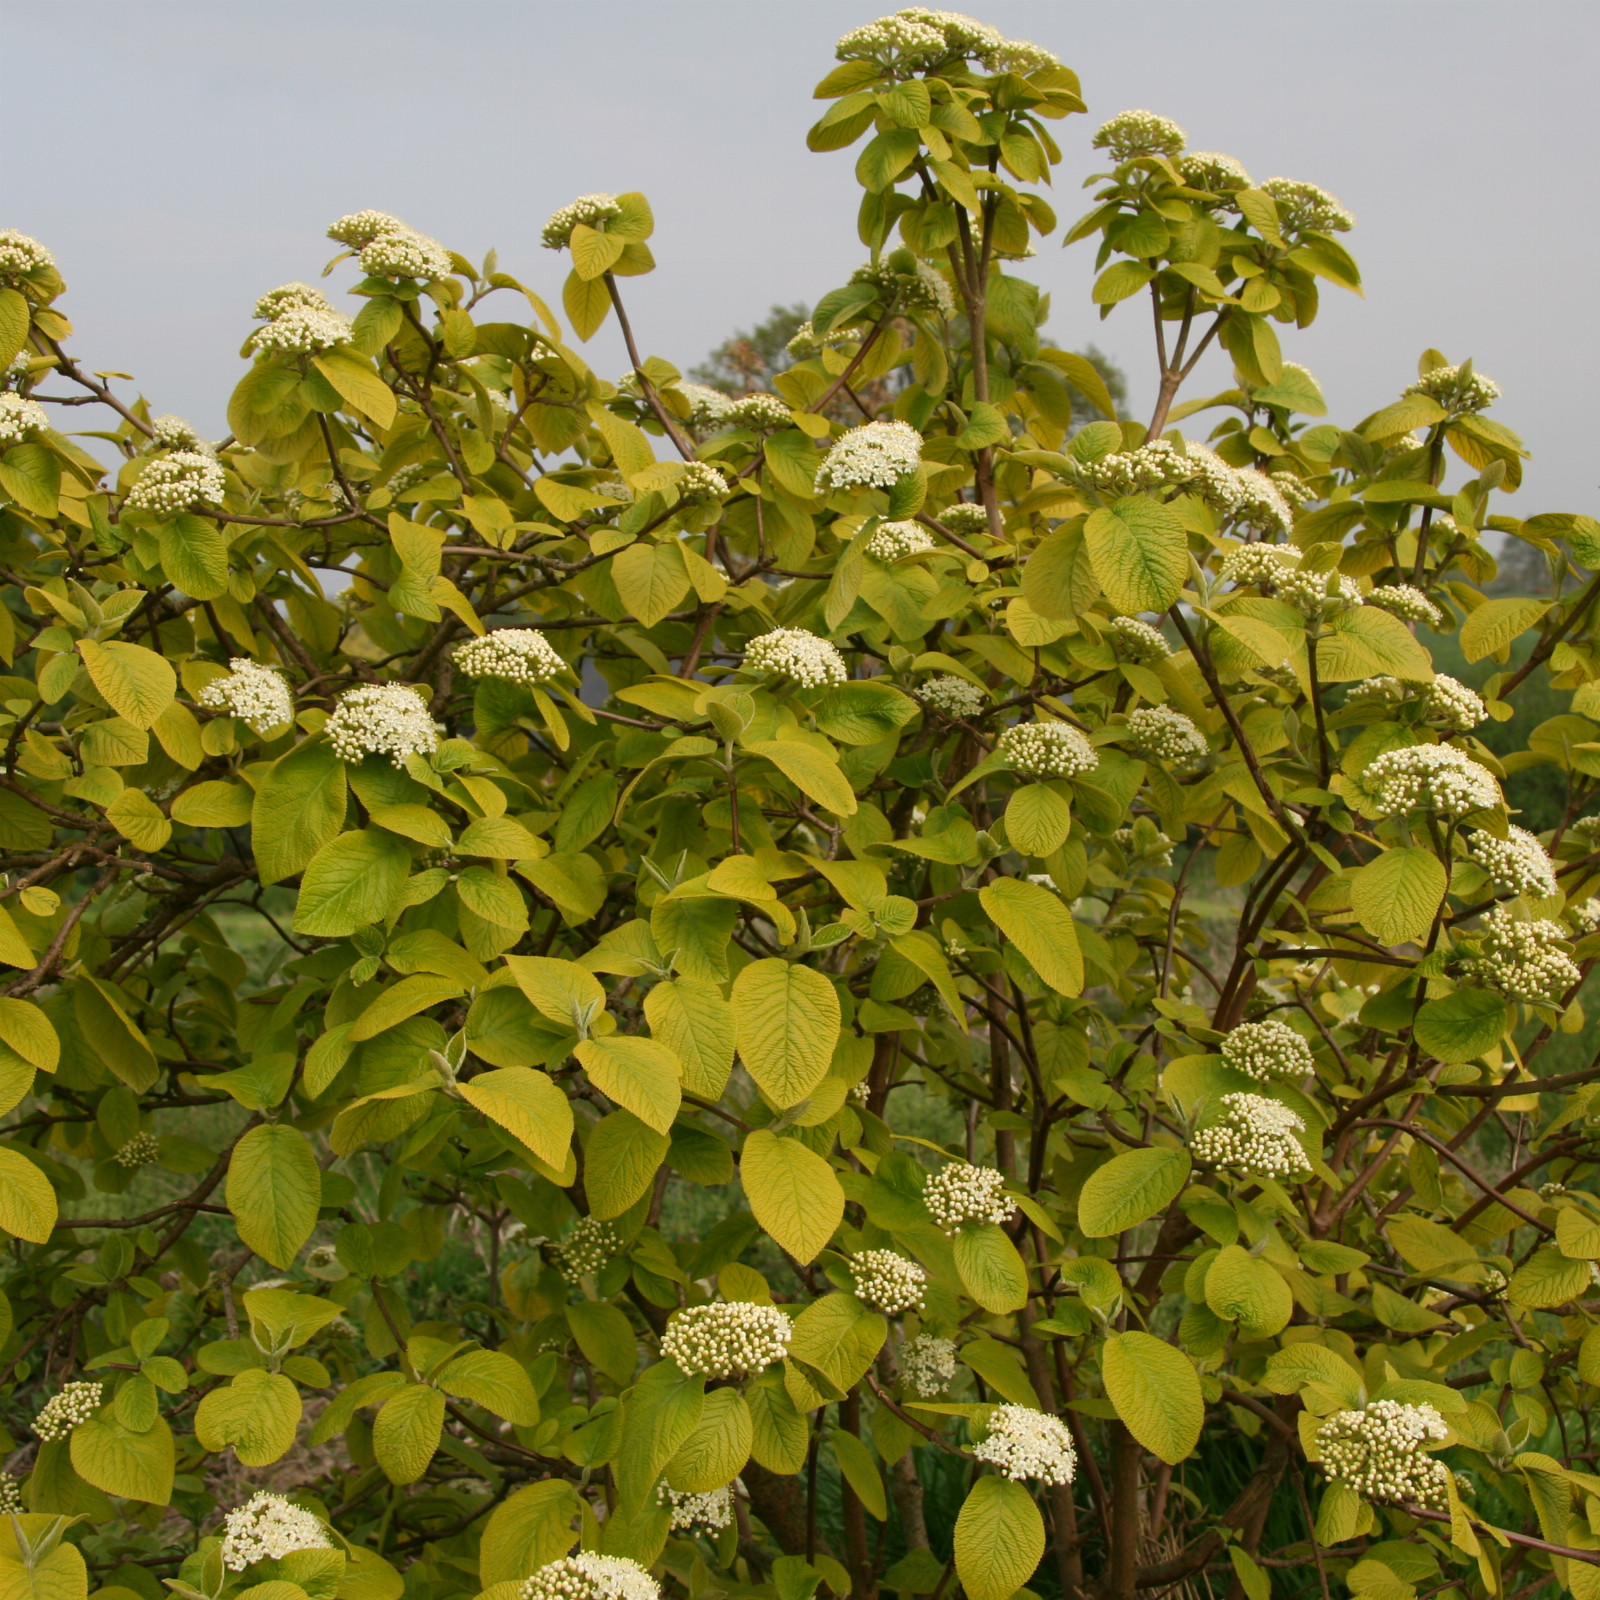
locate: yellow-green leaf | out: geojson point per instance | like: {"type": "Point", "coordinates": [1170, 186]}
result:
{"type": "Point", "coordinates": [786, 1023]}
{"type": "Point", "coordinates": [1039, 924]}
{"type": "Point", "coordinates": [137, 683]}
{"type": "Point", "coordinates": [999, 1539]}
{"type": "Point", "coordinates": [1398, 894]}
{"type": "Point", "coordinates": [1156, 1392]}
{"type": "Point", "coordinates": [793, 1192]}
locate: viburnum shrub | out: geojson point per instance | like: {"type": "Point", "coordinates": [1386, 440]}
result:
{"type": "Point", "coordinates": [842, 988]}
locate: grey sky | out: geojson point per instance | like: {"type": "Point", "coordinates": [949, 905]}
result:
{"type": "Point", "coordinates": [180, 158]}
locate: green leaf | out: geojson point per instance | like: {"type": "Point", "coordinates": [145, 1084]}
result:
{"type": "Point", "coordinates": [1129, 1188]}
{"type": "Point", "coordinates": [991, 1270]}
{"type": "Point", "coordinates": [31, 475]}
{"type": "Point", "coordinates": [810, 771]}
{"type": "Point", "coordinates": [213, 804]}
{"type": "Point", "coordinates": [561, 990]}
{"type": "Point", "coordinates": [620, 1163]}
{"type": "Point", "coordinates": [1462, 1026]}
{"type": "Point", "coordinates": [112, 1035]}
{"type": "Point", "coordinates": [402, 1000]}
{"type": "Point", "coordinates": [351, 882]}
{"type": "Point", "coordinates": [491, 1379]}
{"type": "Point", "coordinates": [651, 578]}
{"type": "Point", "coordinates": [1120, 280]}
{"type": "Point", "coordinates": [594, 253]}
{"type": "Point", "coordinates": [1398, 894]}
{"type": "Point", "coordinates": [1039, 924]}
{"type": "Point", "coordinates": [716, 1451]}
{"type": "Point", "coordinates": [861, 1473]}
{"type": "Point", "coordinates": [780, 1433]}
{"type": "Point", "coordinates": [194, 557]}
{"type": "Point", "coordinates": [530, 1530]}
{"type": "Point", "coordinates": [274, 1191]}
{"type": "Point", "coordinates": [135, 1465]}
{"type": "Point", "coordinates": [357, 384]}
{"type": "Point", "coordinates": [786, 1023]}
{"type": "Point", "coordinates": [257, 1413]}
{"type": "Point", "coordinates": [1290, 1369]}
{"type": "Point", "coordinates": [299, 807]}
{"type": "Point", "coordinates": [605, 1336]}
{"type": "Point", "coordinates": [697, 1025]}
{"type": "Point", "coordinates": [1243, 1288]}
{"type": "Point", "coordinates": [1037, 819]}
{"type": "Point", "coordinates": [139, 820]}
{"type": "Point", "coordinates": [659, 1413]}
{"type": "Point", "coordinates": [863, 713]}
{"type": "Point", "coordinates": [13, 324]}
{"type": "Point", "coordinates": [999, 1539]}
{"type": "Point", "coordinates": [406, 1432]}
{"type": "Point", "coordinates": [1156, 1392]}
{"type": "Point", "coordinates": [793, 1192]}
{"type": "Point", "coordinates": [137, 683]}
{"type": "Point", "coordinates": [1549, 1279]}
{"type": "Point", "coordinates": [528, 1105]}
{"type": "Point", "coordinates": [1491, 628]}
{"type": "Point", "coordinates": [587, 303]}
{"type": "Point", "coordinates": [1139, 553]}
{"type": "Point", "coordinates": [641, 1075]}
{"type": "Point", "coordinates": [839, 1337]}
{"type": "Point", "coordinates": [1363, 641]}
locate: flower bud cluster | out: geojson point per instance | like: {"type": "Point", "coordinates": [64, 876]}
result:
{"type": "Point", "coordinates": [174, 482]}
{"type": "Point", "coordinates": [1304, 208]}
{"type": "Point", "coordinates": [1317, 594]}
{"type": "Point", "coordinates": [360, 228]}
{"type": "Point", "coordinates": [698, 482]}
{"type": "Point", "coordinates": [954, 696]}
{"type": "Point", "coordinates": [267, 1528]}
{"type": "Point", "coordinates": [1136, 640]}
{"type": "Point", "coordinates": [588, 209]}
{"type": "Point", "coordinates": [1047, 750]}
{"type": "Point", "coordinates": [965, 518]}
{"type": "Point", "coordinates": [712, 1511]}
{"type": "Point", "coordinates": [1457, 388]}
{"type": "Point", "coordinates": [289, 297]}
{"type": "Point", "coordinates": [920, 290]}
{"type": "Point", "coordinates": [174, 433]}
{"type": "Point", "coordinates": [301, 328]}
{"type": "Point", "coordinates": [1166, 735]}
{"type": "Point", "coordinates": [888, 1281]}
{"type": "Point", "coordinates": [1153, 847]}
{"type": "Point", "coordinates": [1260, 566]}
{"type": "Point", "coordinates": [1585, 915]}
{"type": "Point", "coordinates": [1213, 171]}
{"type": "Point", "coordinates": [255, 694]}
{"type": "Point", "coordinates": [1270, 1049]}
{"type": "Point", "coordinates": [1379, 1452]}
{"type": "Point", "coordinates": [759, 411]}
{"type": "Point", "coordinates": [1518, 864]}
{"type": "Point", "coordinates": [1262, 504]}
{"type": "Point", "coordinates": [1021, 56]}
{"type": "Point", "coordinates": [140, 1151]}
{"type": "Point", "coordinates": [20, 255]}
{"type": "Point", "coordinates": [389, 719]}
{"type": "Point", "coordinates": [587, 1576]}
{"type": "Point", "coordinates": [708, 407]}
{"type": "Point", "coordinates": [927, 1365]}
{"type": "Point", "coordinates": [1294, 489]}
{"type": "Point", "coordinates": [891, 540]}
{"type": "Point", "coordinates": [1140, 133]}
{"type": "Point", "coordinates": [1024, 1443]}
{"type": "Point", "coordinates": [1409, 604]}
{"type": "Point", "coordinates": [1255, 1136]}
{"type": "Point", "coordinates": [1431, 777]}
{"type": "Point", "coordinates": [1449, 703]}
{"type": "Point", "coordinates": [11, 1496]}
{"type": "Point", "coordinates": [1521, 960]}
{"type": "Point", "coordinates": [20, 417]}
{"type": "Point", "coordinates": [874, 456]}
{"type": "Point", "coordinates": [1151, 466]}
{"type": "Point", "coordinates": [813, 663]}
{"type": "Point", "coordinates": [959, 1194]}
{"type": "Point", "coordinates": [720, 1339]}
{"type": "Point", "coordinates": [587, 1248]}
{"type": "Point", "coordinates": [70, 1407]}
{"type": "Point", "coordinates": [806, 341]}
{"type": "Point", "coordinates": [406, 254]}
{"type": "Point", "coordinates": [516, 655]}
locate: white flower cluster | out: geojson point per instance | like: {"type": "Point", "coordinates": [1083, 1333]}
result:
{"type": "Point", "coordinates": [759, 411]}
{"type": "Point", "coordinates": [888, 1281]}
{"type": "Point", "coordinates": [698, 482]}
{"type": "Point", "coordinates": [1024, 1443]}
{"type": "Point", "coordinates": [1585, 915]}
{"type": "Point", "coordinates": [1521, 960]}
{"type": "Point", "coordinates": [927, 1365]}
{"type": "Point", "coordinates": [1304, 208]}
{"type": "Point", "coordinates": [1317, 594]}
{"type": "Point", "coordinates": [712, 1511]}
{"type": "Point", "coordinates": [19, 417]}
{"type": "Point", "coordinates": [299, 326]}
{"type": "Point", "coordinates": [965, 518]}
{"type": "Point", "coordinates": [406, 254]}
{"type": "Point", "coordinates": [805, 341]}
{"type": "Point", "coordinates": [874, 456]}
{"type": "Point", "coordinates": [1255, 1136]}
{"type": "Point", "coordinates": [1449, 703]}
{"type": "Point", "coordinates": [584, 1251]}
{"type": "Point", "coordinates": [1260, 566]}
{"type": "Point", "coordinates": [920, 290]}
{"type": "Point", "coordinates": [954, 696]}
{"type": "Point", "coordinates": [518, 655]}
{"type": "Point", "coordinates": [916, 37]}
{"type": "Point", "coordinates": [1140, 133]}
{"type": "Point", "coordinates": [1214, 480]}
{"type": "Point", "coordinates": [1379, 1452]}
{"type": "Point", "coordinates": [1431, 777]}
{"type": "Point", "coordinates": [1022, 56]}
{"type": "Point", "coordinates": [1151, 466]}
{"type": "Point", "coordinates": [70, 1407]}
{"type": "Point", "coordinates": [1047, 750]}
{"type": "Point", "coordinates": [587, 1576]}
{"type": "Point", "coordinates": [795, 653]}
{"type": "Point", "coordinates": [360, 228]}
{"type": "Point", "coordinates": [1270, 1049]}
{"type": "Point", "coordinates": [140, 1151]}
{"type": "Point", "coordinates": [286, 297]}
{"type": "Point", "coordinates": [1587, 829]}
{"type": "Point", "coordinates": [587, 209]}
{"type": "Point", "coordinates": [891, 540]}
{"type": "Point", "coordinates": [11, 1496]}
{"type": "Point", "coordinates": [387, 719]}
{"type": "Point", "coordinates": [1409, 604]}
{"type": "Point", "coordinates": [267, 1528]}
{"type": "Point", "coordinates": [19, 254]}
{"type": "Point", "coordinates": [1457, 388]}
{"type": "Point", "coordinates": [959, 1193]}
{"type": "Point", "coordinates": [174, 433]}
{"type": "Point", "coordinates": [255, 694]}
{"type": "Point", "coordinates": [708, 407]}
{"type": "Point", "coordinates": [1262, 504]}
{"type": "Point", "coordinates": [174, 482]}
{"type": "Point", "coordinates": [1166, 735]}
{"type": "Point", "coordinates": [1137, 640]}
{"type": "Point", "coordinates": [1382, 690]}
{"type": "Point", "coordinates": [1294, 489]}
{"type": "Point", "coordinates": [1211, 170]}
{"type": "Point", "coordinates": [722, 1339]}
{"type": "Point", "coordinates": [1518, 864]}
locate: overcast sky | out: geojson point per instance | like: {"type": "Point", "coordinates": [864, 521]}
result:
{"type": "Point", "coordinates": [180, 158]}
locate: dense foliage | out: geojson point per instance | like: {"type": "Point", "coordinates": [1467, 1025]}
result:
{"type": "Point", "coordinates": [856, 986]}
